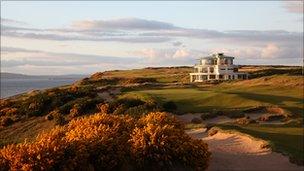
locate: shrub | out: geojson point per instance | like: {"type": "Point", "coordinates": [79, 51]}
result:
{"type": "Point", "coordinates": [57, 116]}
{"type": "Point", "coordinates": [138, 111]}
{"type": "Point", "coordinates": [49, 117]}
{"type": "Point", "coordinates": [97, 141]}
{"type": "Point", "coordinates": [75, 111]}
{"type": "Point", "coordinates": [161, 119]}
{"type": "Point", "coordinates": [131, 106]}
{"type": "Point", "coordinates": [6, 121]}
{"type": "Point", "coordinates": [103, 108]}
{"type": "Point", "coordinates": [8, 111]}
{"type": "Point", "coordinates": [5, 103]}
{"type": "Point", "coordinates": [83, 105]}
{"type": "Point", "coordinates": [37, 105]}
{"type": "Point", "coordinates": [109, 142]}
{"type": "Point", "coordinates": [244, 121]}
{"type": "Point", "coordinates": [120, 110]}
{"type": "Point", "coordinates": [163, 146]}
{"type": "Point", "coordinates": [169, 106]}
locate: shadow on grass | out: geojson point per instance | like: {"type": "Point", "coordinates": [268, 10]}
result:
{"type": "Point", "coordinates": [274, 100]}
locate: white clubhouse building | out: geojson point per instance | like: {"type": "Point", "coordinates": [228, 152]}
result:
{"type": "Point", "coordinates": [216, 67]}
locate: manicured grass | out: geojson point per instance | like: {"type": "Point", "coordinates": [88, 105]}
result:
{"type": "Point", "coordinates": [227, 98]}
{"type": "Point", "coordinates": [287, 140]}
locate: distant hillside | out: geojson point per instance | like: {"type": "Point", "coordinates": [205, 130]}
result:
{"type": "Point", "coordinates": [6, 75]}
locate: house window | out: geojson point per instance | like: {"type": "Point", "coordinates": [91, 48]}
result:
{"type": "Point", "coordinates": [221, 76]}
{"type": "Point", "coordinates": [235, 69]}
{"type": "Point", "coordinates": [211, 76]}
{"type": "Point", "coordinates": [204, 70]}
{"type": "Point", "coordinates": [211, 69]}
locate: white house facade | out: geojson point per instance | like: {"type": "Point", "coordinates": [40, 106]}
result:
{"type": "Point", "coordinates": [216, 67]}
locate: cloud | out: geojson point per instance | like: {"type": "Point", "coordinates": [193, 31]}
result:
{"type": "Point", "coordinates": [134, 30]}
{"type": "Point", "coordinates": [177, 43]}
{"type": "Point", "coordinates": [5, 49]}
{"type": "Point", "coordinates": [270, 51]}
{"type": "Point", "coordinates": [294, 6]}
{"type": "Point", "coordinates": [122, 24]}
{"type": "Point", "coordinates": [181, 53]}
{"type": "Point", "coordinates": [71, 34]}
{"type": "Point", "coordinates": [168, 57]}
{"type": "Point", "coordinates": [13, 22]}
{"type": "Point", "coordinates": [44, 58]}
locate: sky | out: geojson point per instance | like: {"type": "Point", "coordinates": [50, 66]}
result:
{"type": "Point", "coordinates": [78, 37]}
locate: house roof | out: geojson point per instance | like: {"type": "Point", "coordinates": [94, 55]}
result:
{"type": "Point", "coordinates": [217, 55]}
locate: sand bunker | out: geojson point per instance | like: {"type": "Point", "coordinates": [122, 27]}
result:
{"type": "Point", "coordinates": [232, 151]}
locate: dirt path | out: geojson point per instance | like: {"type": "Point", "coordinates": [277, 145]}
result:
{"type": "Point", "coordinates": [231, 151]}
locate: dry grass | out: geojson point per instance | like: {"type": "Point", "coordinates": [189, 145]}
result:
{"type": "Point", "coordinates": [22, 130]}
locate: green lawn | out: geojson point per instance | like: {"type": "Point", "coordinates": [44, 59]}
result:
{"type": "Point", "coordinates": [287, 140]}
{"type": "Point", "coordinates": [226, 98]}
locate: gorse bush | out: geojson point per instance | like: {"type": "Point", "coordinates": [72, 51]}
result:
{"type": "Point", "coordinates": [128, 106]}
{"type": "Point", "coordinates": [41, 103]}
{"type": "Point", "coordinates": [160, 141]}
{"type": "Point", "coordinates": [6, 121]}
{"type": "Point", "coordinates": [109, 142]}
{"type": "Point", "coordinates": [161, 119]}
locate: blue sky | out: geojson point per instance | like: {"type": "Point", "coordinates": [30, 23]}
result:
{"type": "Point", "coordinates": [85, 37]}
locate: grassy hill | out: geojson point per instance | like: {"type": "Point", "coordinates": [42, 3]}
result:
{"type": "Point", "coordinates": [140, 91]}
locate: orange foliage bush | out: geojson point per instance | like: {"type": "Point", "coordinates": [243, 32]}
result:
{"type": "Point", "coordinates": [103, 108]}
{"type": "Point", "coordinates": [161, 119]}
{"type": "Point", "coordinates": [160, 141]}
{"type": "Point", "coordinates": [8, 111]}
{"type": "Point", "coordinates": [109, 142]}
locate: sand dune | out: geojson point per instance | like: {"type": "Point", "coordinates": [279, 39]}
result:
{"type": "Point", "coordinates": [232, 151]}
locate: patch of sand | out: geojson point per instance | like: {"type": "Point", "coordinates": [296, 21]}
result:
{"type": "Point", "coordinates": [232, 151]}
